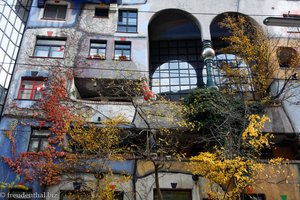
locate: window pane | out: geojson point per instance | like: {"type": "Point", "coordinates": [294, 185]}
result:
{"type": "Point", "coordinates": [93, 52]}
{"type": "Point", "coordinates": [62, 11]}
{"type": "Point", "coordinates": [122, 46]}
{"type": "Point", "coordinates": [132, 14]}
{"type": "Point", "coordinates": [50, 11]}
{"type": "Point", "coordinates": [122, 28]}
{"type": "Point", "coordinates": [101, 51]}
{"type": "Point", "coordinates": [126, 53]}
{"type": "Point", "coordinates": [131, 29]}
{"type": "Point", "coordinates": [41, 51]}
{"type": "Point", "coordinates": [118, 53]}
{"type": "Point", "coordinates": [131, 21]}
{"type": "Point", "coordinates": [99, 45]}
{"type": "Point", "coordinates": [33, 145]}
{"type": "Point", "coordinates": [27, 84]}
{"type": "Point", "coordinates": [56, 53]}
{"type": "Point", "coordinates": [44, 144]}
{"type": "Point", "coordinates": [40, 132]}
{"type": "Point", "coordinates": [123, 14]}
{"type": "Point", "coordinates": [55, 11]}
{"type": "Point", "coordinates": [25, 94]}
{"type": "Point", "coordinates": [51, 42]}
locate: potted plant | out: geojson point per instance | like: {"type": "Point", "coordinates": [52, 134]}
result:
{"type": "Point", "coordinates": [97, 56]}
{"type": "Point", "coordinates": [123, 58]}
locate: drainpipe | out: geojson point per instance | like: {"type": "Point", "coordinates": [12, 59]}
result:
{"type": "Point", "coordinates": [208, 54]}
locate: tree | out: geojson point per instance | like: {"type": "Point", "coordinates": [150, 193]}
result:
{"type": "Point", "coordinates": [233, 172]}
{"type": "Point", "coordinates": [89, 148]}
{"type": "Point", "coordinates": [263, 53]}
{"type": "Point", "coordinates": [220, 119]}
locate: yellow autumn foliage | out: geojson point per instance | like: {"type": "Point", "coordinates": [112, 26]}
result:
{"type": "Point", "coordinates": [233, 173]}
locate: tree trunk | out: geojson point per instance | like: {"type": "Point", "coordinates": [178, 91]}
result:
{"type": "Point", "coordinates": [159, 194]}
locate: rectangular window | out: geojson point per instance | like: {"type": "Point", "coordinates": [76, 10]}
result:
{"type": "Point", "coordinates": [49, 48]}
{"type": "Point", "coordinates": [127, 21]}
{"type": "Point", "coordinates": [31, 88]}
{"type": "Point", "coordinates": [101, 12]}
{"type": "Point", "coordinates": [98, 49]}
{"type": "Point", "coordinates": [174, 194]}
{"type": "Point", "coordinates": [56, 12]}
{"type": "Point", "coordinates": [38, 140]}
{"type": "Point", "coordinates": [122, 50]}
{"type": "Point", "coordinates": [253, 197]}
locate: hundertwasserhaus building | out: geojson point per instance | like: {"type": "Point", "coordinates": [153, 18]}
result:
{"type": "Point", "coordinates": [107, 42]}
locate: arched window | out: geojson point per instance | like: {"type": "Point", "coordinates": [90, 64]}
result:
{"type": "Point", "coordinates": [232, 73]}
{"type": "Point", "coordinates": [175, 63]}
{"type": "Point", "coordinates": [174, 78]}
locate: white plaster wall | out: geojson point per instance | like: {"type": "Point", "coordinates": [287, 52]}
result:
{"type": "Point", "coordinates": [146, 185]}
{"type": "Point", "coordinates": [111, 110]}
{"type": "Point", "coordinates": [29, 41]}
{"type": "Point", "coordinates": [91, 24]}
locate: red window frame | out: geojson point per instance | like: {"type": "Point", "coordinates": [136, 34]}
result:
{"type": "Point", "coordinates": [33, 89]}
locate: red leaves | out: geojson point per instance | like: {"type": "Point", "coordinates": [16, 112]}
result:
{"type": "Point", "coordinates": [46, 166]}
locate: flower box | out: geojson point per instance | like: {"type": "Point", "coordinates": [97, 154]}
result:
{"type": "Point", "coordinates": [99, 57]}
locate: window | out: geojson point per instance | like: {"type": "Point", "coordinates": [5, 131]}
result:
{"type": "Point", "coordinates": [253, 197]}
{"type": "Point", "coordinates": [38, 140]}
{"type": "Point", "coordinates": [175, 67]}
{"type": "Point", "coordinates": [101, 12]}
{"type": "Point", "coordinates": [127, 21]}
{"type": "Point", "coordinates": [287, 57]}
{"type": "Point", "coordinates": [31, 88]}
{"type": "Point", "coordinates": [98, 49]}
{"type": "Point", "coordinates": [174, 194]}
{"type": "Point", "coordinates": [122, 51]}
{"type": "Point", "coordinates": [50, 48]}
{"type": "Point", "coordinates": [75, 194]}
{"type": "Point", "coordinates": [240, 79]}
{"type": "Point", "coordinates": [57, 12]}
{"type": "Point", "coordinates": [175, 77]}
{"type": "Point", "coordinates": [19, 193]}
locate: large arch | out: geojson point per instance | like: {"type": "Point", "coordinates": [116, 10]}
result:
{"type": "Point", "coordinates": [217, 32]}
{"type": "Point", "coordinates": [175, 62]}
{"type": "Point", "coordinates": [223, 59]}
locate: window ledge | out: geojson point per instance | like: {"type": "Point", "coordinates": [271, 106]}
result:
{"type": "Point", "coordinates": [54, 19]}
{"type": "Point", "coordinates": [95, 58]}
{"type": "Point", "coordinates": [127, 32]}
{"type": "Point", "coordinates": [98, 17]}
{"type": "Point", "coordinates": [121, 60]}
{"type": "Point", "coordinates": [45, 57]}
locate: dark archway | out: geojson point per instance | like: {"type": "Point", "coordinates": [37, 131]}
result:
{"type": "Point", "coordinates": [217, 32]}
{"type": "Point", "coordinates": [175, 63]}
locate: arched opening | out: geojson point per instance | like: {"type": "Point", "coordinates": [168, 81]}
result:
{"type": "Point", "coordinates": [218, 32]}
{"type": "Point", "coordinates": [239, 79]}
{"type": "Point", "coordinates": [175, 63]}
